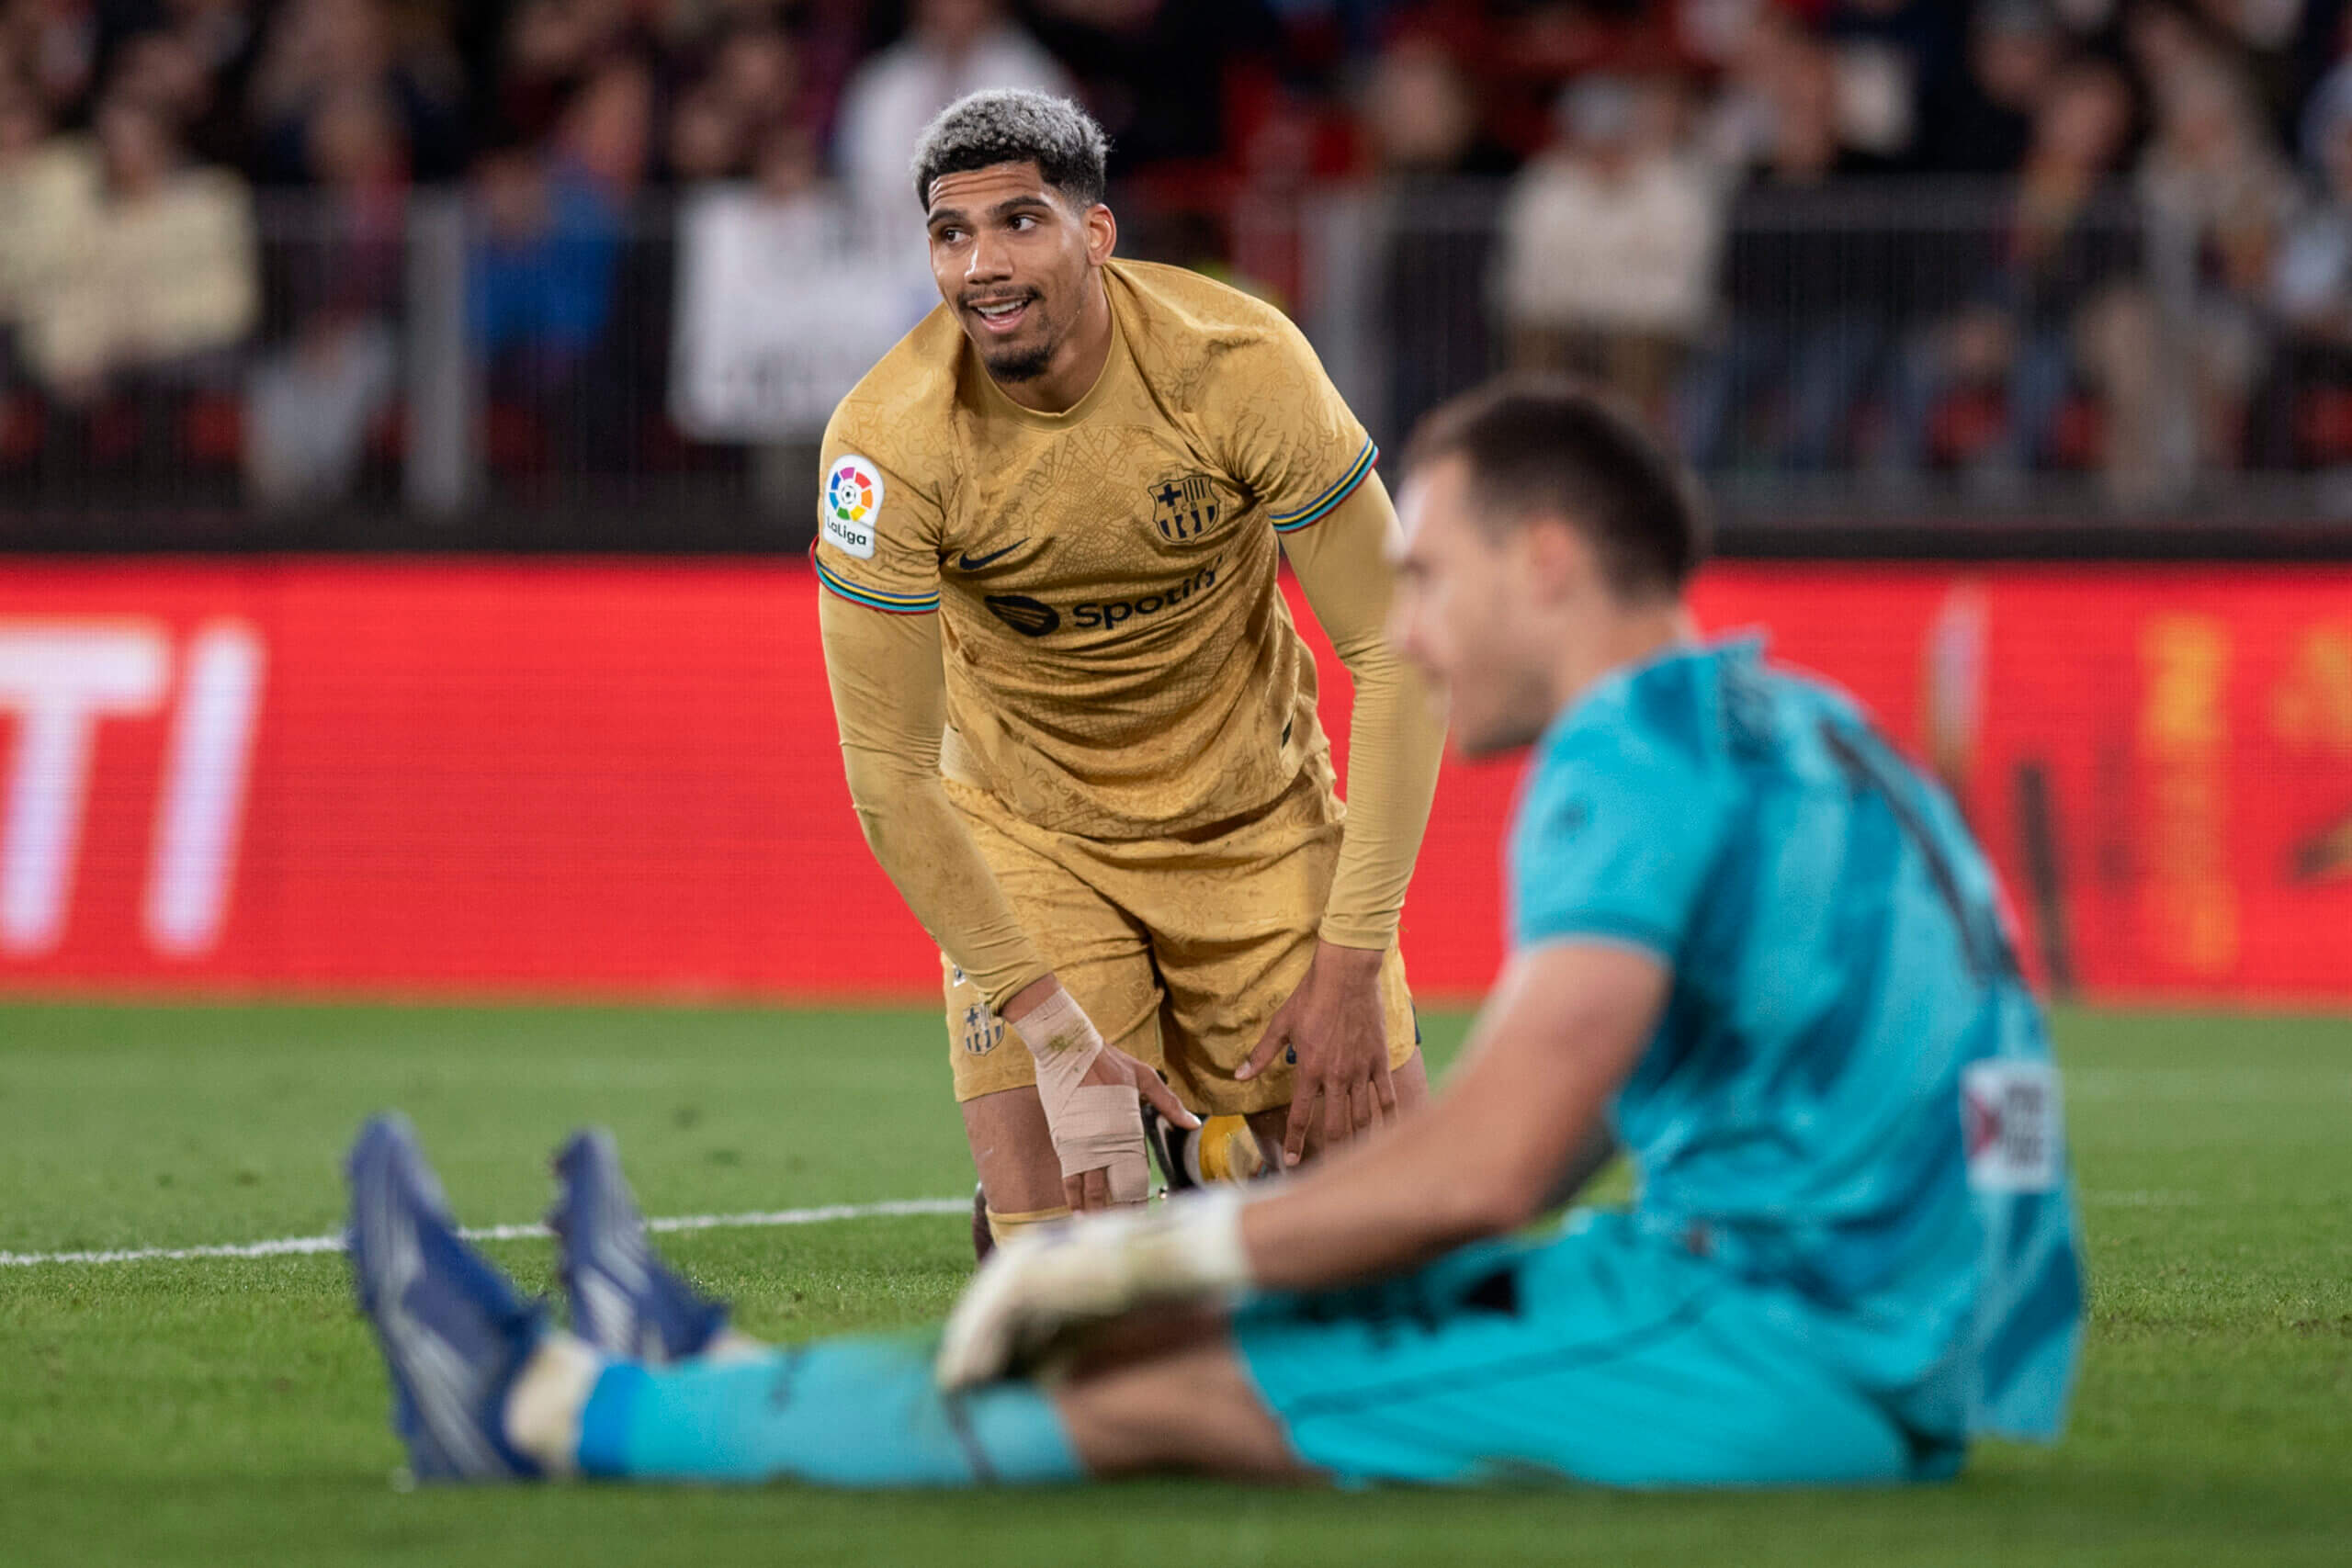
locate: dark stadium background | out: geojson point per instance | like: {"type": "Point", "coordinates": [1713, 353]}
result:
{"type": "Point", "coordinates": [407, 418]}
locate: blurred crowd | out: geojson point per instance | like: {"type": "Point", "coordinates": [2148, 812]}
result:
{"type": "Point", "coordinates": [1896, 237]}
{"type": "Point", "coordinates": [1889, 237]}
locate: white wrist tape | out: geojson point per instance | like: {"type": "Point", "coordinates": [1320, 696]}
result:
{"type": "Point", "coordinates": [1095, 1126]}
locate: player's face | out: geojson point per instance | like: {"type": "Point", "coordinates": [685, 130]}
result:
{"type": "Point", "coordinates": [1015, 259]}
{"type": "Point", "coordinates": [1470, 615]}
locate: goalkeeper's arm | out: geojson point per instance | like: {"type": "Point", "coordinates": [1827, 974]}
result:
{"type": "Point", "coordinates": [1563, 1029]}
{"type": "Point", "coordinates": [1521, 1116]}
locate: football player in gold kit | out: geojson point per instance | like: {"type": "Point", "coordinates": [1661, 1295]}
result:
{"type": "Point", "coordinates": [1078, 726]}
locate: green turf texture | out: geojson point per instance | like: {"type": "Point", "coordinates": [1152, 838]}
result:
{"type": "Point", "coordinates": [232, 1411]}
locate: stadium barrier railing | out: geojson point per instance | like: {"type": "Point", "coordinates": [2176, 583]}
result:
{"type": "Point", "coordinates": [1871, 355]}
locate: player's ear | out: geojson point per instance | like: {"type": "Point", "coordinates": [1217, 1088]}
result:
{"type": "Point", "coordinates": [1101, 233]}
{"type": "Point", "coordinates": [1557, 557]}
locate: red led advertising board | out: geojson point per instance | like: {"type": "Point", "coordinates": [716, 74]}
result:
{"type": "Point", "coordinates": [471, 777]}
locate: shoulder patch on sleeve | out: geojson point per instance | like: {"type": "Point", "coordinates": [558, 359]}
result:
{"type": "Point", "coordinates": [2008, 1110]}
{"type": "Point", "coordinates": [852, 505]}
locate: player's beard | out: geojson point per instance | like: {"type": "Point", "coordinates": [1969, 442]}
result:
{"type": "Point", "coordinates": [1017, 362]}
{"type": "Point", "coordinates": [1020, 364]}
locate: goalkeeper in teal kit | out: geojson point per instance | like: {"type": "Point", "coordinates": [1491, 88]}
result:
{"type": "Point", "coordinates": [1751, 949]}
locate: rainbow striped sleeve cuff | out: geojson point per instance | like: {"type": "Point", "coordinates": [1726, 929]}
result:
{"type": "Point", "coordinates": [875, 598]}
{"type": "Point", "coordinates": [1312, 512]}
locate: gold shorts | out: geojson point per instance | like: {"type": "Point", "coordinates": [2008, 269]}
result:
{"type": "Point", "coordinates": [1179, 949]}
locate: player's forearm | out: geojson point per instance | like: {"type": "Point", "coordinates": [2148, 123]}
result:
{"type": "Point", "coordinates": [1395, 737]}
{"type": "Point", "coordinates": [1439, 1179]}
{"type": "Point", "coordinates": [889, 699]}
{"type": "Point", "coordinates": [1353, 1219]}
{"type": "Point", "coordinates": [1591, 1158]}
{"type": "Point", "coordinates": [1559, 1035]}
{"type": "Point", "coordinates": [1395, 744]}
{"type": "Point", "coordinates": [922, 846]}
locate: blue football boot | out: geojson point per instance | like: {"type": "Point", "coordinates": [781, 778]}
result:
{"type": "Point", "coordinates": [625, 1301]}
{"type": "Point", "coordinates": [455, 1332]}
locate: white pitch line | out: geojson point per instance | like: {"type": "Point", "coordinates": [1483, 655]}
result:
{"type": "Point", "coordinates": [296, 1246]}
{"type": "Point", "coordinates": [292, 1246]}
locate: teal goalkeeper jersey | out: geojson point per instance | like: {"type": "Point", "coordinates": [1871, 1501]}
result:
{"type": "Point", "coordinates": [1850, 1096]}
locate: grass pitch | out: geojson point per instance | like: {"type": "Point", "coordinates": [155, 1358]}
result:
{"type": "Point", "coordinates": [232, 1410]}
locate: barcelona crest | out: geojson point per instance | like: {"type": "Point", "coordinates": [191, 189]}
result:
{"type": "Point", "coordinates": [982, 1028]}
{"type": "Point", "coordinates": [1187, 508]}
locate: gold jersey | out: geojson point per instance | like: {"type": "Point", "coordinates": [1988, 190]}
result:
{"type": "Point", "coordinates": [1119, 661]}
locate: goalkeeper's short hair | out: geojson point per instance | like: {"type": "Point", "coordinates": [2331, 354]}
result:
{"type": "Point", "coordinates": [1552, 446]}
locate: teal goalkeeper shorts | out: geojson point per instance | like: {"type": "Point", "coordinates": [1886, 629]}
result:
{"type": "Point", "coordinates": [1600, 1355]}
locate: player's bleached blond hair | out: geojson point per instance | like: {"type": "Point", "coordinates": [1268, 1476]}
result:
{"type": "Point", "coordinates": [1009, 126]}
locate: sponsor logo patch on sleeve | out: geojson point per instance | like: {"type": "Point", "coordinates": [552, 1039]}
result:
{"type": "Point", "coordinates": [851, 504]}
{"type": "Point", "coordinates": [2008, 1112]}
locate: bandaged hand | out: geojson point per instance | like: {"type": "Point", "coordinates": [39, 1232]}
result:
{"type": "Point", "coordinates": [1090, 1095]}
{"type": "Point", "coordinates": [1039, 1285]}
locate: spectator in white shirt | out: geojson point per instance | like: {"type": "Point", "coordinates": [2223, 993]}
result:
{"type": "Point", "coordinates": [169, 280]}
{"type": "Point", "coordinates": [1610, 241]}
{"type": "Point", "coordinates": [952, 48]}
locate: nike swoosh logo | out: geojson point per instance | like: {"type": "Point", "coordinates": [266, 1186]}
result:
{"type": "Point", "coordinates": [973, 563]}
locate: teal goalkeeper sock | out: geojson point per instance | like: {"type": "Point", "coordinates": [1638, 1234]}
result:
{"type": "Point", "coordinates": [854, 1413]}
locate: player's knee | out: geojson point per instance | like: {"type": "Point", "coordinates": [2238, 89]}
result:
{"type": "Point", "coordinates": [1012, 1147]}
{"type": "Point", "coordinates": [1411, 1081]}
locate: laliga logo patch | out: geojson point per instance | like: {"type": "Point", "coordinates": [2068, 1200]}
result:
{"type": "Point", "coordinates": [852, 497]}
{"type": "Point", "coordinates": [853, 489]}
